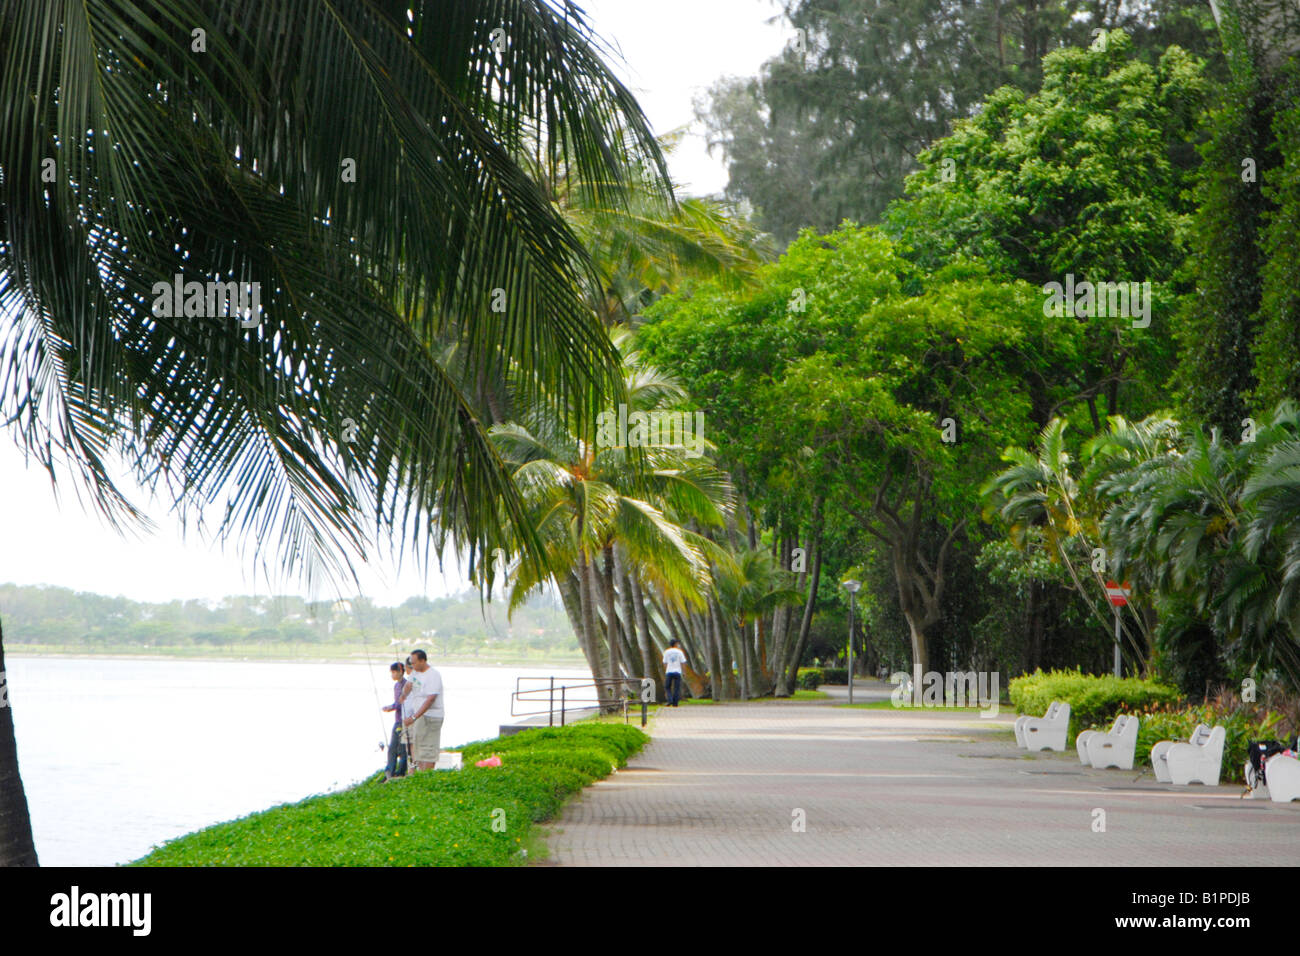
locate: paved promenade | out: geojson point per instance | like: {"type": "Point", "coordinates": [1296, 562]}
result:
{"type": "Point", "coordinates": [729, 784]}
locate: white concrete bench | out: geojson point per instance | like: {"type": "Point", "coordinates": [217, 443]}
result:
{"type": "Point", "coordinates": [1197, 761]}
{"type": "Point", "coordinates": [1283, 776]}
{"type": "Point", "coordinates": [1114, 748]}
{"type": "Point", "coordinates": [1160, 751]}
{"type": "Point", "coordinates": [1046, 732]}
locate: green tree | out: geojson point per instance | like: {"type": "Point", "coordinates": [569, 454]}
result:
{"type": "Point", "coordinates": [1085, 178]}
{"type": "Point", "coordinates": [855, 379]}
{"type": "Point", "coordinates": [1237, 330]}
{"type": "Point", "coordinates": [832, 125]}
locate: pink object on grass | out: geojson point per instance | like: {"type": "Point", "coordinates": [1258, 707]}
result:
{"type": "Point", "coordinates": [493, 761]}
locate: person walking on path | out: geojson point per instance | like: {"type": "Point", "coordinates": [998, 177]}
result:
{"type": "Point", "coordinates": [424, 725]}
{"type": "Point", "coordinates": [673, 661]}
{"type": "Point", "coordinates": [396, 766]}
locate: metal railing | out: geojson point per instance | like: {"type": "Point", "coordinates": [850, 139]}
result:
{"type": "Point", "coordinates": [558, 695]}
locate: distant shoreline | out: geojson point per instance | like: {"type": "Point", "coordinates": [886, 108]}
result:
{"type": "Point", "coordinates": [375, 659]}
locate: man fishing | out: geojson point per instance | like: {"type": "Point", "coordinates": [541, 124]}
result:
{"type": "Point", "coordinates": [423, 697]}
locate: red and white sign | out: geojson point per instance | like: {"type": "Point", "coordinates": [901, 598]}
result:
{"type": "Point", "coordinates": [1117, 595]}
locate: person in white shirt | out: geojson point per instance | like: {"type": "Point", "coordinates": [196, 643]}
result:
{"type": "Point", "coordinates": [673, 661]}
{"type": "Point", "coordinates": [423, 712]}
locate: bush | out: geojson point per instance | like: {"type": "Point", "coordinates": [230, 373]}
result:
{"type": "Point", "coordinates": [1094, 701]}
{"type": "Point", "coordinates": [621, 740]}
{"type": "Point", "coordinates": [810, 678]}
{"type": "Point", "coordinates": [478, 816]}
{"type": "Point", "coordinates": [1241, 723]}
{"type": "Point", "coordinates": [835, 675]}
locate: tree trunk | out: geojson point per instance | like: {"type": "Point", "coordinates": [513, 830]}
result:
{"type": "Point", "coordinates": [1035, 629]}
{"type": "Point", "coordinates": [920, 649]}
{"type": "Point", "coordinates": [17, 847]}
{"type": "Point", "coordinates": [703, 648]}
{"type": "Point", "coordinates": [744, 659]}
{"type": "Point", "coordinates": [611, 618]}
{"type": "Point", "coordinates": [569, 593]}
{"type": "Point", "coordinates": [650, 666]}
{"type": "Point", "coordinates": [781, 615]}
{"type": "Point", "coordinates": [790, 666]}
{"type": "Point", "coordinates": [762, 666]}
{"type": "Point", "coordinates": [724, 684]}
{"type": "Point", "coordinates": [600, 667]}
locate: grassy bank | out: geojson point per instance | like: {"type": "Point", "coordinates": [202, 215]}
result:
{"type": "Point", "coordinates": [473, 817]}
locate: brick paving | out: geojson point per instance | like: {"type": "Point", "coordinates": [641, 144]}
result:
{"type": "Point", "coordinates": [727, 784]}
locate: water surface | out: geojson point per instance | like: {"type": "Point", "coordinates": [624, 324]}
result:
{"type": "Point", "coordinates": [120, 755]}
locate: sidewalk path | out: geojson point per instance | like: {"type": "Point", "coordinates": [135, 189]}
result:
{"type": "Point", "coordinates": [725, 784]}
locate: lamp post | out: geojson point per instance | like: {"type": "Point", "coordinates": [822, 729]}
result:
{"type": "Point", "coordinates": [852, 587]}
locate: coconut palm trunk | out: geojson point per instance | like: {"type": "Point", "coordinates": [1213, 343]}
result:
{"type": "Point", "coordinates": [16, 845]}
{"type": "Point", "coordinates": [611, 615]}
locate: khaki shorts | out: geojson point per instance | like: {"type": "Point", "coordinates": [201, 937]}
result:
{"type": "Point", "coordinates": [425, 739]}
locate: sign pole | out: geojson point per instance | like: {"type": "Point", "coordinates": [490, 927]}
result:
{"type": "Point", "coordinates": [852, 599]}
{"type": "Point", "coordinates": [1117, 594]}
{"type": "Point", "coordinates": [1117, 628]}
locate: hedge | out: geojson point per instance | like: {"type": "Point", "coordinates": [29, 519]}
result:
{"type": "Point", "coordinates": [1094, 701]}
{"type": "Point", "coordinates": [810, 678]}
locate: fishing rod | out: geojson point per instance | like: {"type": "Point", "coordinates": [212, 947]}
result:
{"type": "Point", "coordinates": [365, 649]}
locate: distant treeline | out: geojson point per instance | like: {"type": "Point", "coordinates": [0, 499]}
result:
{"type": "Point", "coordinates": [448, 626]}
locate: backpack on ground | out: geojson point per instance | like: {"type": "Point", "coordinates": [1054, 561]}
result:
{"type": "Point", "coordinates": [1259, 752]}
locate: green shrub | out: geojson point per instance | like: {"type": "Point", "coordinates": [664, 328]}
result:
{"type": "Point", "coordinates": [835, 675]}
{"type": "Point", "coordinates": [1094, 701]}
{"type": "Point", "coordinates": [621, 740]}
{"type": "Point", "coordinates": [810, 678]}
{"type": "Point", "coordinates": [478, 816]}
{"type": "Point", "coordinates": [1242, 725]}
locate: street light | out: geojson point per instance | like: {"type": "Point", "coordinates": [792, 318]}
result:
{"type": "Point", "coordinates": [852, 587]}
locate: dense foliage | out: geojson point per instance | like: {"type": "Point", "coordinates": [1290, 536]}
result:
{"type": "Point", "coordinates": [1094, 701]}
{"type": "Point", "coordinates": [833, 124]}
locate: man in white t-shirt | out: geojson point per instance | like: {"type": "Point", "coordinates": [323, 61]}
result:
{"type": "Point", "coordinates": [423, 711]}
{"type": "Point", "coordinates": [673, 661]}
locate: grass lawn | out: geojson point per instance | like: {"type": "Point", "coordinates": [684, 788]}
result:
{"type": "Point", "coordinates": [802, 694]}
{"type": "Point", "coordinates": [471, 817]}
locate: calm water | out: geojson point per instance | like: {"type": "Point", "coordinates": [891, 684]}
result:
{"type": "Point", "coordinates": [120, 755]}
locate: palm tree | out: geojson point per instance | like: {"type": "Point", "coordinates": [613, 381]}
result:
{"type": "Point", "coordinates": [1260, 601]}
{"type": "Point", "coordinates": [613, 518]}
{"type": "Point", "coordinates": [1042, 501]}
{"type": "Point", "coordinates": [1208, 526]}
{"type": "Point", "coordinates": [645, 241]}
{"type": "Point", "coordinates": [754, 588]}
{"type": "Point", "coordinates": [353, 162]}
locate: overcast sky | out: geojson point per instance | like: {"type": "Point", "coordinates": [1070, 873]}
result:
{"type": "Point", "coordinates": [673, 50]}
